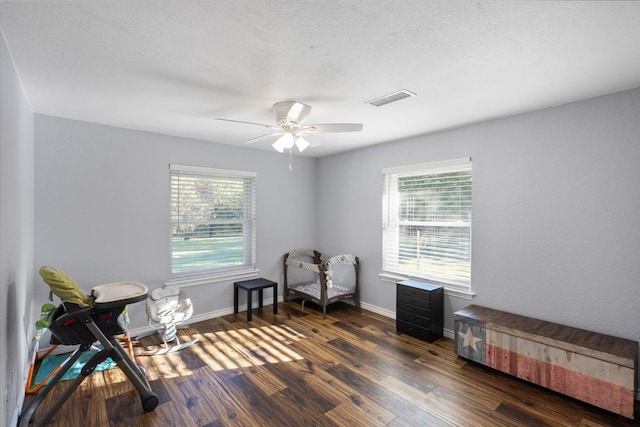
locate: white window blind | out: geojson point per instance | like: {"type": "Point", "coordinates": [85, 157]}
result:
{"type": "Point", "coordinates": [212, 220]}
{"type": "Point", "coordinates": [427, 222]}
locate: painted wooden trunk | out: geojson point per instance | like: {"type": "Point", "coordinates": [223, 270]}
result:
{"type": "Point", "coordinates": [595, 368]}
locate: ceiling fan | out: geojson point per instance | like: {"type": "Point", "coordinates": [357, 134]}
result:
{"type": "Point", "coordinates": [290, 118]}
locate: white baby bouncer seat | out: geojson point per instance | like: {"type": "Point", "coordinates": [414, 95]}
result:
{"type": "Point", "coordinates": [167, 308]}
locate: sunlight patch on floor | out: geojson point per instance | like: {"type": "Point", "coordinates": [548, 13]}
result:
{"type": "Point", "coordinates": [230, 349]}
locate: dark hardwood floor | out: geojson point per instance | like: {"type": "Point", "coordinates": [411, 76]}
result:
{"type": "Point", "coordinates": [298, 369]}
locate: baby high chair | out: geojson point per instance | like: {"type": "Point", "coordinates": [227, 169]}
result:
{"type": "Point", "coordinates": [82, 320]}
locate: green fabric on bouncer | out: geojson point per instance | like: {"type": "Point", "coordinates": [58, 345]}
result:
{"type": "Point", "coordinates": [64, 287]}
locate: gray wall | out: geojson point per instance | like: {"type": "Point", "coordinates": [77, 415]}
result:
{"type": "Point", "coordinates": [16, 237]}
{"type": "Point", "coordinates": [556, 212]}
{"type": "Point", "coordinates": [102, 205]}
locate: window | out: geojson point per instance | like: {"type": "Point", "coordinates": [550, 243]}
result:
{"type": "Point", "coordinates": [212, 220]}
{"type": "Point", "coordinates": [427, 222]}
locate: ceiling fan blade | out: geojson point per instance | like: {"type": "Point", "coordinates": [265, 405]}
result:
{"type": "Point", "coordinates": [252, 140]}
{"type": "Point", "coordinates": [298, 113]}
{"type": "Point", "coordinates": [248, 123]}
{"type": "Point", "coordinates": [333, 127]}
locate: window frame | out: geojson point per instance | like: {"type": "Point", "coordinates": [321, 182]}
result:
{"type": "Point", "coordinates": [229, 272]}
{"type": "Point", "coordinates": [390, 223]}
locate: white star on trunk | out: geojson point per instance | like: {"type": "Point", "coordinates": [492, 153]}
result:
{"type": "Point", "coordinates": [469, 340]}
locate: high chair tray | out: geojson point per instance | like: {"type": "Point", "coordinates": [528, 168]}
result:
{"type": "Point", "coordinates": [119, 293]}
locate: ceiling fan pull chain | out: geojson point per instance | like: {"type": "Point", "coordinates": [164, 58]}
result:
{"type": "Point", "coordinates": [290, 157]}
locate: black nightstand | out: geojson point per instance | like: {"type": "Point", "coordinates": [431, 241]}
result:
{"type": "Point", "coordinates": [419, 309]}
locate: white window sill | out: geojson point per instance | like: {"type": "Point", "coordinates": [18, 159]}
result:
{"type": "Point", "coordinates": [448, 289]}
{"type": "Point", "coordinates": [206, 279]}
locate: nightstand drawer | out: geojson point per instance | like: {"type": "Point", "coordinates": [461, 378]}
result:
{"type": "Point", "coordinates": [409, 292]}
{"type": "Point", "coordinates": [413, 319]}
{"type": "Point", "coordinates": [411, 300]}
{"type": "Point", "coordinates": [416, 331]}
{"type": "Point", "coordinates": [413, 309]}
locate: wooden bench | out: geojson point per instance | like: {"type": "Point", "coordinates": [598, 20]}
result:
{"type": "Point", "coordinates": [595, 368]}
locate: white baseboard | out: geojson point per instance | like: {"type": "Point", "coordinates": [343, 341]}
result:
{"type": "Point", "coordinates": [381, 311]}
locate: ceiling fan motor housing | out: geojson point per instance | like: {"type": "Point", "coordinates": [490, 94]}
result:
{"type": "Point", "coordinates": [291, 114]}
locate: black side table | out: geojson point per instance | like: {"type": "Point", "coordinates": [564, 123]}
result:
{"type": "Point", "coordinates": [251, 285]}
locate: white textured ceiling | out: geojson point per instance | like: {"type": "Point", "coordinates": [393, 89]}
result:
{"type": "Point", "coordinates": [171, 67]}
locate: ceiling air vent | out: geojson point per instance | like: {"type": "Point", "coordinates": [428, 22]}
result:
{"type": "Point", "coordinates": [392, 97]}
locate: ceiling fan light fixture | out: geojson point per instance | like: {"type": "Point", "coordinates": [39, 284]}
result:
{"type": "Point", "coordinates": [302, 144]}
{"type": "Point", "coordinates": [284, 142]}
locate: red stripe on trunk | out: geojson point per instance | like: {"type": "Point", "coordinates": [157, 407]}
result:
{"type": "Point", "coordinates": [612, 397]}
